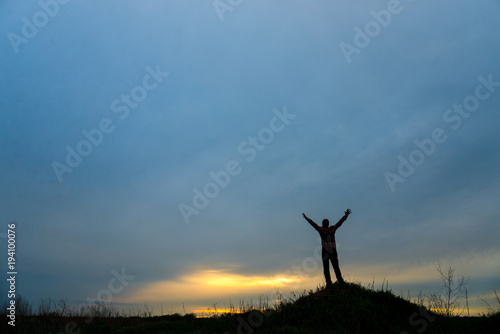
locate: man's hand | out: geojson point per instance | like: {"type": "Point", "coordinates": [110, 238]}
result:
{"type": "Point", "coordinates": [347, 212]}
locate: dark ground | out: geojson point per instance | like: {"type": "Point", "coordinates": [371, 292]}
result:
{"type": "Point", "coordinates": [354, 309]}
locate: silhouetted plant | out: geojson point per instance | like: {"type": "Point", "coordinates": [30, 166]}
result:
{"type": "Point", "coordinates": [23, 306]}
{"type": "Point", "coordinates": [492, 310]}
{"type": "Point", "coordinates": [45, 308]}
{"type": "Point", "coordinates": [454, 288]}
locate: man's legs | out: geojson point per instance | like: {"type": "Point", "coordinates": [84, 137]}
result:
{"type": "Point", "coordinates": [326, 267]}
{"type": "Point", "coordinates": [335, 263]}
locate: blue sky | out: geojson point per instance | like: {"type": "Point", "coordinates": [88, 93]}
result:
{"type": "Point", "coordinates": [264, 91]}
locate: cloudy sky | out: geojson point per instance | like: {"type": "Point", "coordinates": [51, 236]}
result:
{"type": "Point", "coordinates": [164, 151]}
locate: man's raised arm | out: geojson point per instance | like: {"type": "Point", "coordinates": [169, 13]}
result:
{"type": "Point", "coordinates": [339, 223]}
{"type": "Point", "coordinates": [313, 224]}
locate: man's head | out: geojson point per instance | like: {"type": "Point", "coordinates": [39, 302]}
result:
{"type": "Point", "coordinates": [326, 223]}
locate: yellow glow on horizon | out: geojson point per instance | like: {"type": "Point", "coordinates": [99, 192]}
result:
{"type": "Point", "coordinates": [204, 284]}
{"type": "Point", "coordinates": [221, 279]}
{"type": "Point", "coordinates": [205, 312]}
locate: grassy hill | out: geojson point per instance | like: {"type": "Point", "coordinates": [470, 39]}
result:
{"type": "Point", "coordinates": [354, 309]}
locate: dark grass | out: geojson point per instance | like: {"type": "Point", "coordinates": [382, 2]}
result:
{"type": "Point", "coordinates": [354, 309]}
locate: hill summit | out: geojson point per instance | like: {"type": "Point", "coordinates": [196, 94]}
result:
{"type": "Point", "coordinates": [356, 309]}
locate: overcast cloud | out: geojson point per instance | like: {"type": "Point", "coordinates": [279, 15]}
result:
{"type": "Point", "coordinates": [301, 111]}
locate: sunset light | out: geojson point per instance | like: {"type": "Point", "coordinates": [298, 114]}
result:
{"type": "Point", "coordinates": [336, 160]}
{"type": "Point", "coordinates": [206, 284]}
{"type": "Point", "coordinates": [221, 279]}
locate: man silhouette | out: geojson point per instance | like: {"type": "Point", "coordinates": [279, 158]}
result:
{"type": "Point", "coordinates": [329, 249]}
